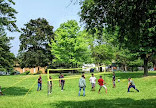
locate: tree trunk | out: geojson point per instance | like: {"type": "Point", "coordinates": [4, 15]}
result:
{"type": "Point", "coordinates": [100, 68]}
{"type": "Point", "coordinates": [38, 68]}
{"type": "Point", "coordinates": [132, 68]}
{"type": "Point", "coordinates": [125, 68]}
{"type": "Point", "coordinates": [145, 66]}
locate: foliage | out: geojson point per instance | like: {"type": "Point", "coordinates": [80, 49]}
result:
{"type": "Point", "coordinates": [26, 73]}
{"type": "Point", "coordinates": [6, 57]}
{"type": "Point", "coordinates": [34, 49]}
{"type": "Point", "coordinates": [103, 54]}
{"type": "Point", "coordinates": [14, 73]}
{"type": "Point", "coordinates": [134, 19]}
{"type": "Point", "coordinates": [70, 48]}
{"type": "Point", "coordinates": [7, 18]}
{"type": "Point", "coordinates": [39, 72]}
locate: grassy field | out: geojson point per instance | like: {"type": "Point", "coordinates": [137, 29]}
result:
{"type": "Point", "coordinates": [15, 88]}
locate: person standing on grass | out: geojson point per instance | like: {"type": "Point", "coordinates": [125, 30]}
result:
{"type": "Point", "coordinates": [82, 84]}
{"type": "Point", "coordinates": [113, 80]}
{"type": "Point", "coordinates": [102, 84]}
{"type": "Point", "coordinates": [92, 81]}
{"type": "Point", "coordinates": [62, 82]}
{"type": "Point", "coordinates": [39, 83]}
{"type": "Point", "coordinates": [1, 91]}
{"type": "Point", "coordinates": [131, 84]}
{"type": "Point", "coordinates": [50, 85]}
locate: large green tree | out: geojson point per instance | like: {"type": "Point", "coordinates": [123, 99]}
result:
{"type": "Point", "coordinates": [35, 37]}
{"type": "Point", "coordinates": [6, 57]}
{"type": "Point", "coordinates": [70, 48]}
{"type": "Point", "coordinates": [7, 21]}
{"type": "Point", "coordinates": [134, 20]}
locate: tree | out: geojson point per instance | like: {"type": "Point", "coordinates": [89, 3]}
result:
{"type": "Point", "coordinates": [134, 20]}
{"type": "Point", "coordinates": [70, 48]}
{"type": "Point", "coordinates": [35, 37]}
{"type": "Point", "coordinates": [6, 57]}
{"type": "Point", "coordinates": [125, 59]}
{"type": "Point", "coordinates": [7, 18]}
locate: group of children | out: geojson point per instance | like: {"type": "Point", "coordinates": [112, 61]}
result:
{"type": "Point", "coordinates": [102, 84]}
{"type": "Point", "coordinates": [82, 83]}
{"type": "Point", "coordinates": [61, 83]}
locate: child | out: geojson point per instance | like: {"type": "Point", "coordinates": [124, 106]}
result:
{"type": "Point", "coordinates": [50, 85]}
{"type": "Point", "coordinates": [62, 81]}
{"type": "Point", "coordinates": [1, 91]}
{"type": "Point", "coordinates": [39, 83]}
{"type": "Point", "coordinates": [102, 84]}
{"type": "Point", "coordinates": [131, 84]}
{"type": "Point", "coordinates": [82, 84]}
{"type": "Point", "coordinates": [92, 81]}
{"type": "Point", "coordinates": [114, 80]}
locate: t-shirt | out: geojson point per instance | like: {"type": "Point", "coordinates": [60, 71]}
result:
{"type": "Point", "coordinates": [50, 82]}
{"type": "Point", "coordinates": [114, 78]}
{"type": "Point", "coordinates": [131, 82]}
{"type": "Point", "coordinates": [62, 80]}
{"type": "Point", "coordinates": [39, 80]}
{"type": "Point", "coordinates": [92, 80]}
{"type": "Point", "coordinates": [82, 82]}
{"type": "Point", "coordinates": [101, 81]}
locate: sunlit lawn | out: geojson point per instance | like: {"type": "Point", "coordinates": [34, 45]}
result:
{"type": "Point", "coordinates": [116, 97]}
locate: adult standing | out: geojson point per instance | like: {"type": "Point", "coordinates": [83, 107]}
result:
{"type": "Point", "coordinates": [82, 85]}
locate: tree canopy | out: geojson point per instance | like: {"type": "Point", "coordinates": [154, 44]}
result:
{"type": "Point", "coordinates": [7, 21]}
{"type": "Point", "coordinates": [70, 48]}
{"type": "Point", "coordinates": [7, 18]}
{"type": "Point", "coordinates": [6, 57]}
{"type": "Point", "coordinates": [34, 49]}
{"type": "Point", "coordinates": [133, 19]}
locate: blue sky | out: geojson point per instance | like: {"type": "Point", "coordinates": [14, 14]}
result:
{"type": "Point", "coordinates": [55, 11]}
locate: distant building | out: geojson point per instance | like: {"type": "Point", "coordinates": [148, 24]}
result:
{"type": "Point", "coordinates": [32, 70]}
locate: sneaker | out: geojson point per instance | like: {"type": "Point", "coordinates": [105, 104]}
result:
{"type": "Point", "coordinates": [61, 90]}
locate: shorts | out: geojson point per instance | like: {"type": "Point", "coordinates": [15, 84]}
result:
{"type": "Point", "coordinates": [114, 82]}
{"type": "Point", "coordinates": [103, 86]}
{"type": "Point", "coordinates": [93, 84]}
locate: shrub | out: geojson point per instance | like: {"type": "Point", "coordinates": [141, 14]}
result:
{"type": "Point", "coordinates": [39, 72]}
{"type": "Point", "coordinates": [26, 73]}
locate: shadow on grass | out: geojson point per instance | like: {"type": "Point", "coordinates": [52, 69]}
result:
{"type": "Point", "coordinates": [124, 75]}
{"type": "Point", "coordinates": [103, 103]}
{"type": "Point", "coordinates": [15, 91]}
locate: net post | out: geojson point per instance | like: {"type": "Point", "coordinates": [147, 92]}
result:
{"type": "Point", "coordinates": [48, 82]}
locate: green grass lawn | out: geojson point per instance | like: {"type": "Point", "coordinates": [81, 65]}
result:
{"type": "Point", "coordinates": [15, 88]}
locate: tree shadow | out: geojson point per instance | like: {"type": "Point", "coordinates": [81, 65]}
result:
{"type": "Point", "coordinates": [124, 75]}
{"type": "Point", "coordinates": [111, 103]}
{"type": "Point", "coordinates": [15, 91]}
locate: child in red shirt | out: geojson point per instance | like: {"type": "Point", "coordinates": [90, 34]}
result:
{"type": "Point", "coordinates": [101, 83]}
